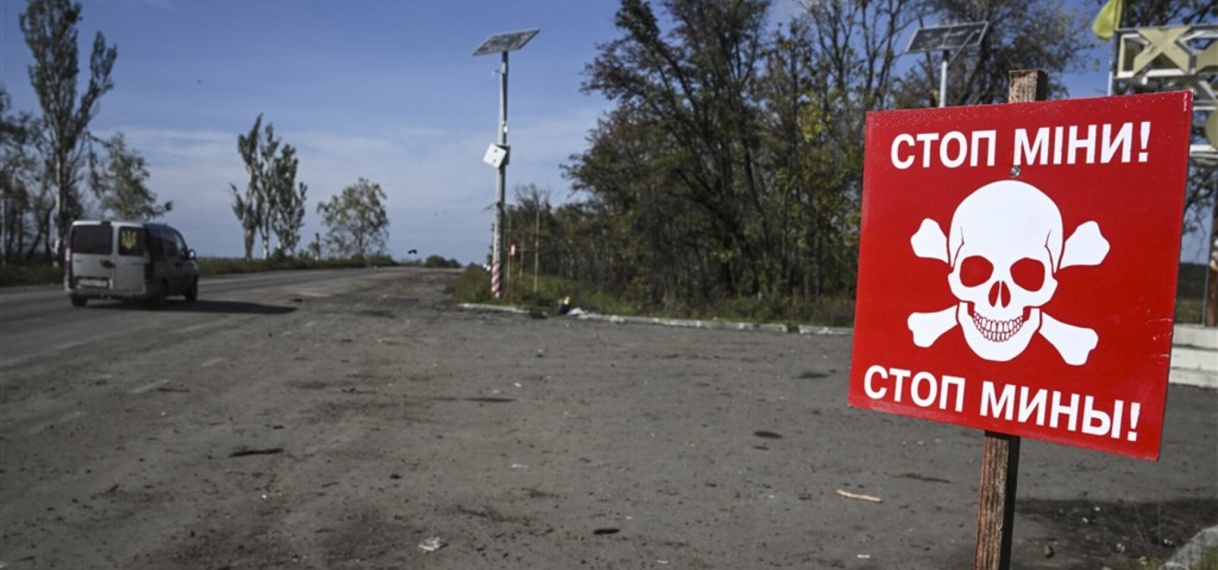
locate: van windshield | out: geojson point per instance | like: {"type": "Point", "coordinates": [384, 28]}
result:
{"type": "Point", "coordinates": [91, 240]}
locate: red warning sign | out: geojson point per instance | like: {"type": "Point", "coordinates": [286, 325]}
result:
{"type": "Point", "coordinates": [1018, 264]}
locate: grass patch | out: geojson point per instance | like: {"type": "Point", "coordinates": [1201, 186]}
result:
{"type": "Point", "coordinates": [544, 292]}
{"type": "Point", "coordinates": [540, 294]}
{"type": "Point", "coordinates": [27, 275]}
{"type": "Point", "coordinates": [474, 287]}
{"type": "Point", "coordinates": [1188, 311]}
{"type": "Point", "coordinates": [1209, 561]}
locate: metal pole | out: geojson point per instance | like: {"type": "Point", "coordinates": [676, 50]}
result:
{"type": "Point", "coordinates": [943, 80]}
{"type": "Point", "coordinates": [1209, 296]}
{"type": "Point", "coordinates": [536, 246]}
{"type": "Point", "coordinates": [4, 229]}
{"type": "Point", "coordinates": [508, 274]}
{"type": "Point", "coordinates": [501, 182]}
{"type": "Point", "coordinates": [59, 217]}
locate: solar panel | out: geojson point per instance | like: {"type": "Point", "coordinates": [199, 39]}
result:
{"type": "Point", "coordinates": [507, 41]}
{"type": "Point", "coordinates": [948, 37]}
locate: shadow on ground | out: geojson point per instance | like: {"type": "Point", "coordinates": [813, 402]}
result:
{"type": "Point", "coordinates": [199, 306]}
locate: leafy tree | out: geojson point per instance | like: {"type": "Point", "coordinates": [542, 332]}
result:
{"type": "Point", "coordinates": [287, 199]}
{"type": "Point", "coordinates": [1022, 34]}
{"type": "Point", "coordinates": [120, 183]}
{"type": "Point", "coordinates": [436, 261]}
{"type": "Point", "coordinates": [1145, 13]}
{"type": "Point", "coordinates": [250, 206]}
{"type": "Point", "coordinates": [272, 202]}
{"type": "Point", "coordinates": [731, 163]}
{"type": "Point", "coordinates": [689, 92]}
{"type": "Point", "coordinates": [355, 220]}
{"type": "Point", "coordinates": [23, 198]}
{"type": "Point", "coordinates": [827, 71]}
{"type": "Point", "coordinates": [49, 27]}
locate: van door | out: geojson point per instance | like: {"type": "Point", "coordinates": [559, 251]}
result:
{"type": "Point", "coordinates": [92, 251]}
{"type": "Point", "coordinates": [130, 259]}
{"type": "Point", "coordinates": [183, 267]}
{"type": "Point", "coordinates": [172, 262]}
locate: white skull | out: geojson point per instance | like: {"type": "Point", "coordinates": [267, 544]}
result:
{"type": "Point", "coordinates": [1004, 246]}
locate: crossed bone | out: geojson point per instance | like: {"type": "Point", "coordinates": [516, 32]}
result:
{"type": "Point", "coordinates": [1086, 246]}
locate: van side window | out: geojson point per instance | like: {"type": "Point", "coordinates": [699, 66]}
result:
{"type": "Point", "coordinates": [156, 245]}
{"type": "Point", "coordinates": [182, 249]}
{"type": "Point", "coordinates": [171, 246]}
{"type": "Point", "coordinates": [131, 241]}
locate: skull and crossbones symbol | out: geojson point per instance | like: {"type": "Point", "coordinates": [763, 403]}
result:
{"type": "Point", "coordinates": [1005, 248]}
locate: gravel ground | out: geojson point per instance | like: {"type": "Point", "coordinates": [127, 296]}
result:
{"type": "Point", "coordinates": [346, 428]}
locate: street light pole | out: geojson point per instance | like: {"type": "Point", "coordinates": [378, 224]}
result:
{"type": "Point", "coordinates": [500, 183]}
{"type": "Point", "coordinates": [498, 154]}
{"type": "Point", "coordinates": [950, 39]}
{"type": "Point", "coordinates": [943, 79]}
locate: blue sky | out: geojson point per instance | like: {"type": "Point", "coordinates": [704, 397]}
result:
{"type": "Point", "coordinates": [381, 89]}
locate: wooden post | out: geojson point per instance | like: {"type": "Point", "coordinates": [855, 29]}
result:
{"type": "Point", "coordinates": [996, 513]}
{"type": "Point", "coordinates": [1000, 452]}
{"type": "Point", "coordinates": [1028, 85]}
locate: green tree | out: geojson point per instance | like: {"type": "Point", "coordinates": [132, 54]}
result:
{"type": "Point", "coordinates": [355, 220]}
{"type": "Point", "coordinates": [1022, 34]}
{"type": "Point", "coordinates": [250, 206]}
{"type": "Point", "coordinates": [24, 200]}
{"type": "Point", "coordinates": [49, 28]}
{"type": "Point", "coordinates": [272, 202]}
{"type": "Point", "coordinates": [1145, 13]}
{"type": "Point", "coordinates": [731, 163]}
{"type": "Point", "coordinates": [120, 182]}
{"type": "Point", "coordinates": [690, 92]}
{"type": "Point", "coordinates": [287, 202]}
{"type": "Point", "coordinates": [827, 70]}
{"type": "Point", "coordinates": [436, 261]}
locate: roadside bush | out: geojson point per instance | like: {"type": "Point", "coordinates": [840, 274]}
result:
{"type": "Point", "coordinates": [438, 262]}
{"type": "Point", "coordinates": [24, 275]}
{"type": "Point", "coordinates": [381, 260]}
{"type": "Point", "coordinates": [473, 286]}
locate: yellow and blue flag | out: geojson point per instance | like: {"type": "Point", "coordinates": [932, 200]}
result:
{"type": "Point", "coordinates": [1108, 20]}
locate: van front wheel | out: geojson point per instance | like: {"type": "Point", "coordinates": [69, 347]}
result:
{"type": "Point", "coordinates": [78, 301]}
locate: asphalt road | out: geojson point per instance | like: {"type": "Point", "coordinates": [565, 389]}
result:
{"type": "Point", "coordinates": [342, 419]}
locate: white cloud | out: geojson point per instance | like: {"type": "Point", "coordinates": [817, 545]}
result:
{"type": "Point", "coordinates": [439, 190]}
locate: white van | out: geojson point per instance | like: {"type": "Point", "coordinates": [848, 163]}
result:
{"type": "Point", "coordinates": [128, 260]}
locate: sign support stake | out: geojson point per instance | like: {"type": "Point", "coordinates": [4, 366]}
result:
{"type": "Point", "coordinates": [996, 513]}
{"type": "Point", "coordinates": [1000, 452]}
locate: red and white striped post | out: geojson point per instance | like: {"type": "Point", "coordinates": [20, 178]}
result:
{"type": "Point", "coordinates": [495, 279]}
